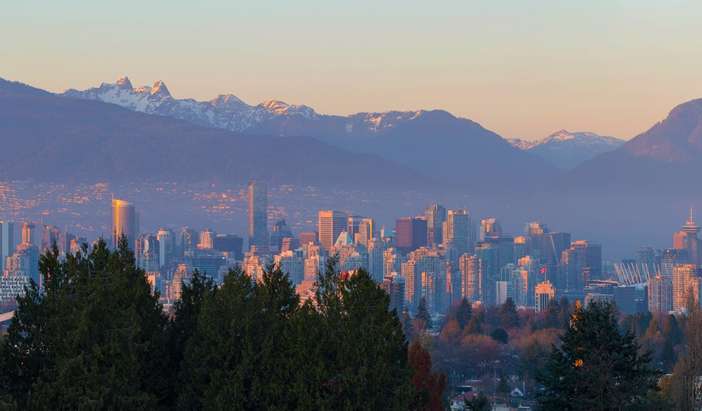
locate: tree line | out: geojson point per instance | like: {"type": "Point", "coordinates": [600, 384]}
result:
{"type": "Point", "coordinates": [95, 337]}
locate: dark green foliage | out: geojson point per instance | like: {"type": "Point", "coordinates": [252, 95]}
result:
{"type": "Point", "coordinates": [93, 339]}
{"type": "Point", "coordinates": [597, 367]}
{"type": "Point", "coordinates": [478, 403]}
{"type": "Point", "coordinates": [500, 335]}
{"type": "Point", "coordinates": [463, 313]}
{"type": "Point", "coordinates": [423, 316]}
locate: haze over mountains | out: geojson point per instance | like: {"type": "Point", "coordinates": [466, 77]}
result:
{"type": "Point", "coordinates": [78, 135]}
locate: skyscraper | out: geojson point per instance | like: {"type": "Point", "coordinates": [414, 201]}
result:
{"type": "Point", "coordinates": [660, 295]}
{"type": "Point", "coordinates": [410, 233]}
{"type": "Point", "coordinates": [459, 231]}
{"type": "Point", "coordinates": [258, 215]}
{"type": "Point", "coordinates": [7, 241]}
{"type": "Point", "coordinates": [686, 285]}
{"type": "Point", "coordinates": [544, 293]}
{"type": "Point", "coordinates": [435, 215]}
{"type": "Point", "coordinates": [330, 224]}
{"type": "Point", "coordinates": [469, 266]}
{"type": "Point", "coordinates": [124, 223]}
{"type": "Point", "coordinates": [686, 239]}
{"type": "Point", "coordinates": [166, 246]}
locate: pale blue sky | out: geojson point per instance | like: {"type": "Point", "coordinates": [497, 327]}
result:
{"type": "Point", "coordinates": [521, 68]}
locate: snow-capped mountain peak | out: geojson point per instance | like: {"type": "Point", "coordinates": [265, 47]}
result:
{"type": "Point", "coordinates": [124, 83]}
{"type": "Point", "coordinates": [159, 89]}
{"type": "Point", "coordinates": [567, 149]}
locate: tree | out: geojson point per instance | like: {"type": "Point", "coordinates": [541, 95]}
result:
{"type": "Point", "coordinates": [240, 350]}
{"type": "Point", "coordinates": [423, 316]}
{"type": "Point", "coordinates": [478, 403]}
{"type": "Point", "coordinates": [92, 338]}
{"type": "Point", "coordinates": [508, 315]}
{"type": "Point", "coordinates": [429, 386]}
{"type": "Point", "coordinates": [596, 367]}
{"type": "Point", "coordinates": [464, 311]}
{"type": "Point", "coordinates": [363, 347]}
{"type": "Point", "coordinates": [500, 335]}
{"type": "Point", "coordinates": [689, 365]}
{"type": "Point", "coordinates": [184, 324]}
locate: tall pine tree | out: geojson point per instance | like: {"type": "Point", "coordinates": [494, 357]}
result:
{"type": "Point", "coordinates": [597, 367]}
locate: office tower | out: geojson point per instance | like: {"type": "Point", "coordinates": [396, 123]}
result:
{"type": "Point", "coordinates": [489, 270]}
{"type": "Point", "coordinates": [544, 293]}
{"type": "Point", "coordinates": [353, 224]}
{"type": "Point", "coordinates": [394, 285]}
{"type": "Point", "coordinates": [631, 298]}
{"type": "Point", "coordinates": [669, 258]}
{"type": "Point", "coordinates": [147, 252]}
{"type": "Point", "coordinates": [376, 255]}
{"type": "Point", "coordinates": [458, 231]}
{"type": "Point", "coordinates": [410, 233]}
{"type": "Point", "coordinates": [490, 227]}
{"type": "Point", "coordinates": [529, 269]}
{"type": "Point", "coordinates": [435, 215]}
{"type": "Point", "coordinates": [206, 239]}
{"type": "Point", "coordinates": [258, 215]}
{"type": "Point", "coordinates": [187, 241]}
{"type": "Point", "coordinates": [581, 262]}
{"type": "Point", "coordinates": [166, 246]}
{"type": "Point", "coordinates": [330, 224]}
{"type": "Point", "coordinates": [124, 223]}
{"type": "Point", "coordinates": [51, 235]}
{"type": "Point", "coordinates": [686, 239]}
{"type": "Point", "coordinates": [29, 233]}
{"type": "Point", "coordinates": [469, 267]}
{"type": "Point", "coordinates": [307, 237]}
{"type": "Point", "coordinates": [229, 243]}
{"type": "Point", "coordinates": [517, 280]}
{"type": "Point", "coordinates": [366, 232]}
{"type": "Point", "coordinates": [660, 294]}
{"type": "Point", "coordinates": [279, 230]}
{"type": "Point", "coordinates": [7, 241]}
{"type": "Point", "coordinates": [686, 286]}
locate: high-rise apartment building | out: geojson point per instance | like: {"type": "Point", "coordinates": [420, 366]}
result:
{"type": "Point", "coordinates": [125, 223]}
{"type": "Point", "coordinates": [330, 224]}
{"type": "Point", "coordinates": [469, 267]}
{"type": "Point", "coordinates": [258, 215]}
{"type": "Point", "coordinates": [686, 286]}
{"type": "Point", "coordinates": [166, 246]}
{"type": "Point", "coordinates": [660, 294]}
{"type": "Point", "coordinates": [490, 227]}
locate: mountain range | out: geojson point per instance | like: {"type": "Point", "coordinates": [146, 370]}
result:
{"type": "Point", "coordinates": [567, 150]}
{"type": "Point", "coordinates": [431, 142]}
{"type": "Point", "coordinates": [55, 138]}
{"type": "Point", "coordinates": [116, 132]}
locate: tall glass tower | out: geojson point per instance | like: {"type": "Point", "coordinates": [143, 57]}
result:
{"type": "Point", "coordinates": [258, 215]}
{"type": "Point", "coordinates": [124, 222]}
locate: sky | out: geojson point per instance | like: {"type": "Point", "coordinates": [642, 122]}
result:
{"type": "Point", "coordinates": [520, 68]}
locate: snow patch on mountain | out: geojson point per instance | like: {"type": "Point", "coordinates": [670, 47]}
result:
{"type": "Point", "coordinates": [567, 149]}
